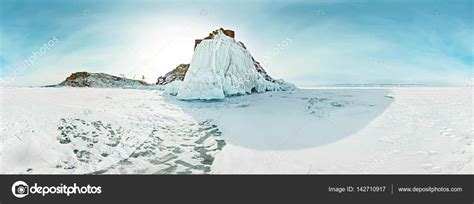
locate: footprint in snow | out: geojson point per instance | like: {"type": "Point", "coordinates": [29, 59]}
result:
{"type": "Point", "coordinates": [188, 147]}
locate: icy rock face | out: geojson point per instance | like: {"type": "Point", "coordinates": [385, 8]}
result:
{"type": "Point", "coordinates": [221, 67]}
{"type": "Point", "coordinates": [99, 80]}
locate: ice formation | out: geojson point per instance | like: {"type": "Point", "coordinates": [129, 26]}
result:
{"type": "Point", "coordinates": [222, 66]}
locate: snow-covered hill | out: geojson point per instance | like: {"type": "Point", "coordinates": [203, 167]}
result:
{"type": "Point", "coordinates": [100, 80]}
{"type": "Point", "coordinates": [221, 66]}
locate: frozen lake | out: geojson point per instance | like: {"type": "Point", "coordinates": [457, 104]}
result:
{"type": "Point", "coordinates": [333, 130]}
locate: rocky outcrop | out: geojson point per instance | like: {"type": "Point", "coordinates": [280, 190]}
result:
{"type": "Point", "coordinates": [212, 34]}
{"type": "Point", "coordinates": [99, 80]}
{"type": "Point", "coordinates": [221, 67]}
{"type": "Point", "coordinates": [176, 74]}
{"type": "Point", "coordinates": [179, 72]}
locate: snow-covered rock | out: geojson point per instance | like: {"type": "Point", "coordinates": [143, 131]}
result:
{"type": "Point", "coordinates": [220, 67]}
{"type": "Point", "coordinates": [100, 80]}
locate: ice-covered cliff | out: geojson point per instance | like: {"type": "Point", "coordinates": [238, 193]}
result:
{"type": "Point", "coordinates": [220, 67]}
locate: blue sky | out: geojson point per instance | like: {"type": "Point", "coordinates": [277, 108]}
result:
{"type": "Point", "coordinates": [422, 42]}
